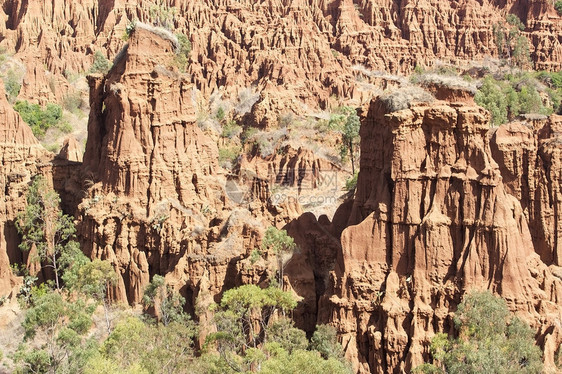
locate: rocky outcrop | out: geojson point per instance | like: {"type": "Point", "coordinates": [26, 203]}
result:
{"type": "Point", "coordinates": [431, 219]}
{"type": "Point", "coordinates": [529, 157]}
{"type": "Point", "coordinates": [22, 157]}
{"type": "Point", "coordinates": [156, 201]}
{"type": "Point", "coordinates": [274, 46]}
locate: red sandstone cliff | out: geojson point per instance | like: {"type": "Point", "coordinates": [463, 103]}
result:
{"type": "Point", "coordinates": [22, 157]}
{"type": "Point", "coordinates": [156, 201]}
{"type": "Point", "coordinates": [296, 53]}
{"type": "Point", "coordinates": [434, 216]}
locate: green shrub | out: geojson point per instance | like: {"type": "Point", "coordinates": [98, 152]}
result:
{"type": "Point", "coordinates": [516, 94]}
{"type": "Point", "coordinates": [39, 119]}
{"type": "Point", "coordinates": [231, 130]}
{"type": "Point", "coordinates": [100, 65]}
{"type": "Point", "coordinates": [558, 7]}
{"type": "Point", "coordinates": [12, 84]}
{"type": "Point", "coordinates": [490, 340]}
{"type": "Point", "coordinates": [183, 51]}
{"type": "Point", "coordinates": [229, 155]}
{"type": "Point", "coordinates": [351, 183]}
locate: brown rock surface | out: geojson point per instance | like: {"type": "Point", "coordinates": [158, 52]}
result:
{"type": "Point", "coordinates": [156, 203]}
{"type": "Point", "coordinates": [431, 219]}
{"type": "Point", "coordinates": [21, 157]}
{"type": "Point", "coordinates": [297, 54]}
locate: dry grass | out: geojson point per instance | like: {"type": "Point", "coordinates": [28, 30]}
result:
{"type": "Point", "coordinates": [401, 98]}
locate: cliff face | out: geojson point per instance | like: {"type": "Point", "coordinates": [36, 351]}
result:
{"type": "Point", "coordinates": [22, 158]}
{"type": "Point", "coordinates": [156, 201]}
{"type": "Point", "coordinates": [432, 218]}
{"type": "Point", "coordinates": [273, 45]}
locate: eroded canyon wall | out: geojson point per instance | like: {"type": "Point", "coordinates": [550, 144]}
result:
{"type": "Point", "coordinates": [275, 46]}
{"type": "Point", "coordinates": [433, 218]}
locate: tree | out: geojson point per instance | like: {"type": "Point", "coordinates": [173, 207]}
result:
{"type": "Point", "coordinates": [168, 304]}
{"type": "Point", "coordinates": [138, 347]}
{"type": "Point", "coordinates": [282, 245]}
{"type": "Point", "coordinates": [60, 326]}
{"type": "Point", "coordinates": [243, 320]}
{"type": "Point", "coordinates": [182, 52]}
{"type": "Point", "coordinates": [324, 340]}
{"type": "Point", "coordinates": [44, 227]}
{"type": "Point", "coordinates": [94, 278]}
{"type": "Point", "coordinates": [490, 340]}
{"type": "Point", "coordinates": [100, 65]}
{"type": "Point", "coordinates": [347, 122]}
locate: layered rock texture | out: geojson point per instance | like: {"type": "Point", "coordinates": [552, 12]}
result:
{"type": "Point", "coordinates": [22, 158]}
{"type": "Point", "coordinates": [297, 54]}
{"type": "Point", "coordinates": [443, 205]}
{"type": "Point", "coordinates": [156, 200]}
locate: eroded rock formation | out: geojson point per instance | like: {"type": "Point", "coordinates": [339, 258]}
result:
{"type": "Point", "coordinates": [22, 158]}
{"type": "Point", "coordinates": [432, 218]}
{"type": "Point", "coordinates": [297, 54]}
{"type": "Point", "coordinates": [156, 201]}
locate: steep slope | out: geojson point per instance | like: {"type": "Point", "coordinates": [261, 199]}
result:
{"type": "Point", "coordinates": [22, 157]}
{"type": "Point", "coordinates": [432, 218]}
{"type": "Point", "coordinates": [156, 201]}
{"type": "Point", "coordinates": [275, 46]}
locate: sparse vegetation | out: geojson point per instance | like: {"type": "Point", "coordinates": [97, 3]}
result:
{"type": "Point", "coordinates": [519, 93]}
{"type": "Point", "coordinates": [12, 84]}
{"type": "Point", "coordinates": [73, 102]}
{"type": "Point", "coordinates": [351, 183]}
{"type": "Point", "coordinates": [558, 7]}
{"type": "Point", "coordinates": [229, 155]}
{"type": "Point", "coordinates": [40, 120]}
{"type": "Point", "coordinates": [400, 99]}
{"type": "Point", "coordinates": [283, 247]}
{"type": "Point", "coordinates": [101, 64]}
{"type": "Point", "coordinates": [511, 43]}
{"type": "Point", "coordinates": [46, 229]}
{"type": "Point", "coordinates": [490, 340]}
{"type": "Point", "coordinates": [182, 52]}
{"type": "Point", "coordinates": [346, 121]}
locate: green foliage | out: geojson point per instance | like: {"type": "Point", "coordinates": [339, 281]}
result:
{"type": "Point", "coordinates": [347, 122]}
{"type": "Point", "coordinates": [250, 338]}
{"type": "Point", "coordinates": [516, 94]}
{"type": "Point", "coordinates": [43, 226]}
{"type": "Point", "coordinates": [229, 155]}
{"type": "Point", "coordinates": [511, 43]}
{"type": "Point", "coordinates": [558, 7]}
{"type": "Point", "coordinates": [39, 119]}
{"type": "Point", "coordinates": [301, 361]}
{"type": "Point", "coordinates": [231, 130]}
{"type": "Point", "coordinates": [167, 303]}
{"type": "Point", "coordinates": [162, 15]}
{"type": "Point", "coordinates": [255, 256]}
{"type": "Point", "coordinates": [12, 84]}
{"type": "Point", "coordinates": [138, 347]}
{"type": "Point", "coordinates": [101, 64]}
{"type": "Point", "coordinates": [60, 326]}
{"type": "Point", "coordinates": [324, 340]}
{"type": "Point", "coordinates": [513, 20]}
{"type": "Point", "coordinates": [220, 114]}
{"type": "Point", "coordinates": [490, 340]}
{"type": "Point", "coordinates": [351, 183]}
{"type": "Point", "coordinates": [283, 332]}
{"type": "Point", "coordinates": [131, 26]}
{"type": "Point", "coordinates": [183, 52]}
{"type": "Point", "coordinates": [282, 245]}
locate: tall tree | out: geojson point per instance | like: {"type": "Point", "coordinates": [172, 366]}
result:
{"type": "Point", "coordinates": [44, 227]}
